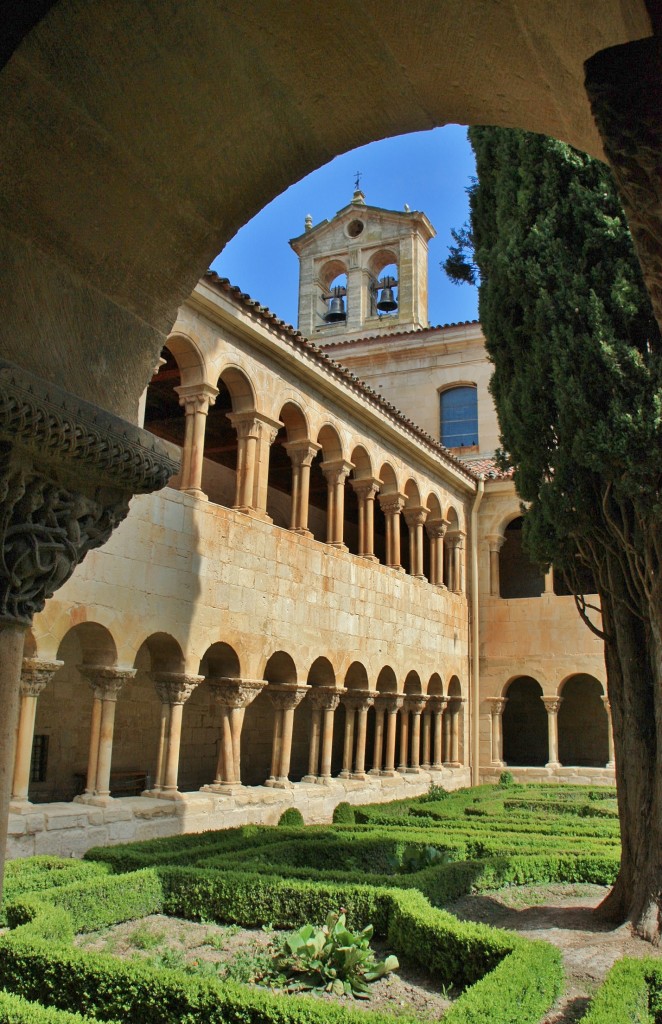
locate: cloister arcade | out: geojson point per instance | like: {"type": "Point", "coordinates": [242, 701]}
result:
{"type": "Point", "coordinates": [92, 729]}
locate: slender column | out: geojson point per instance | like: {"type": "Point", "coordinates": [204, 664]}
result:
{"type": "Point", "coordinates": [285, 698]}
{"type": "Point", "coordinates": [348, 748]}
{"type": "Point", "coordinates": [611, 763]}
{"type": "Point", "coordinates": [35, 675]}
{"type": "Point", "coordinates": [495, 542]}
{"type": "Point", "coordinates": [174, 689]}
{"type": "Point", "coordinates": [331, 700]}
{"type": "Point", "coordinates": [301, 455]}
{"type": "Point", "coordinates": [426, 722]}
{"type": "Point", "coordinates": [366, 489]}
{"type": "Point", "coordinates": [336, 473]}
{"type": "Point", "coordinates": [233, 696]}
{"type": "Point", "coordinates": [247, 425]}
{"type": "Point", "coordinates": [415, 519]}
{"type": "Point", "coordinates": [267, 433]}
{"type": "Point", "coordinates": [392, 703]}
{"type": "Point", "coordinates": [549, 580]}
{"type": "Point", "coordinates": [314, 748]}
{"type": "Point", "coordinates": [164, 725]}
{"type": "Point", "coordinates": [359, 702]}
{"type": "Point", "coordinates": [196, 399]}
{"type": "Point", "coordinates": [106, 683]}
{"type": "Point", "coordinates": [404, 737]}
{"type": "Point", "coordinates": [321, 699]}
{"type": "Point", "coordinates": [455, 541]}
{"type": "Point", "coordinates": [456, 707]}
{"type": "Point", "coordinates": [436, 530]}
{"type": "Point", "coordinates": [437, 705]}
{"type": "Point", "coordinates": [448, 714]}
{"type": "Point", "coordinates": [497, 705]}
{"type": "Point", "coordinates": [392, 505]}
{"type": "Point", "coordinates": [416, 704]}
{"type": "Point", "coordinates": [378, 747]}
{"type": "Point", "coordinates": [552, 705]}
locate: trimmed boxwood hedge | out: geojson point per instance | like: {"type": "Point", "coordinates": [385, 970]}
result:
{"type": "Point", "coordinates": [15, 1010]}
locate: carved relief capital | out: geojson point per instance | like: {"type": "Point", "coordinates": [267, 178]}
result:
{"type": "Point", "coordinates": [302, 453]}
{"type": "Point", "coordinates": [286, 696]}
{"type": "Point", "coordinates": [415, 702]}
{"type": "Point", "coordinates": [247, 424]}
{"type": "Point", "coordinates": [366, 488]}
{"type": "Point", "coordinates": [495, 541]}
{"type": "Point", "coordinates": [437, 704]}
{"type": "Point", "coordinates": [175, 687]}
{"type": "Point", "coordinates": [455, 539]}
{"type": "Point", "coordinates": [607, 704]}
{"type": "Point", "coordinates": [336, 471]}
{"type": "Point", "coordinates": [36, 674]}
{"type": "Point", "coordinates": [356, 700]}
{"type": "Point", "coordinates": [391, 702]}
{"type": "Point", "coordinates": [392, 504]}
{"type": "Point", "coordinates": [552, 704]}
{"type": "Point", "coordinates": [196, 398]}
{"type": "Point", "coordinates": [106, 680]}
{"type": "Point", "coordinates": [235, 693]}
{"type": "Point", "coordinates": [416, 516]}
{"type": "Point", "coordinates": [324, 698]}
{"type": "Point", "coordinates": [436, 528]}
{"type": "Point", "coordinates": [497, 705]}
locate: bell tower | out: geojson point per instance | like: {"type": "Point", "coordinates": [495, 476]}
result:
{"type": "Point", "coordinates": [363, 273]}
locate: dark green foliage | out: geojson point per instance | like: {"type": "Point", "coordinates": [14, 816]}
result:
{"type": "Point", "coordinates": [292, 817]}
{"type": "Point", "coordinates": [629, 994]}
{"type": "Point", "coordinates": [343, 814]}
{"type": "Point", "coordinates": [506, 780]}
{"type": "Point", "coordinates": [35, 873]}
{"type": "Point", "coordinates": [15, 1010]}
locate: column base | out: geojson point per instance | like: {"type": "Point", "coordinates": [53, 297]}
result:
{"type": "Point", "coordinates": [416, 576]}
{"type": "Point", "coordinates": [414, 771]}
{"type": "Point", "coordinates": [20, 806]}
{"type": "Point", "coordinates": [94, 799]}
{"type": "Point", "coordinates": [302, 531]}
{"type": "Point", "coordinates": [337, 544]}
{"type": "Point", "coordinates": [326, 780]}
{"type": "Point", "coordinates": [402, 769]}
{"type": "Point", "coordinates": [375, 771]}
{"type": "Point", "coordinates": [244, 509]}
{"type": "Point", "coordinates": [497, 764]}
{"type": "Point", "coordinates": [311, 779]}
{"type": "Point", "coordinates": [361, 776]}
{"type": "Point", "coordinates": [388, 773]}
{"type": "Point", "coordinates": [426, 767]}
{"type": "Point", "coordinates": [279, 783]}
{"type": "Point", "coordinates": [168, 794]}
{"type": "Point", "coordinates": [224, 788]}
{"type": "Point", "coordinates": [441, 586]}
{"type": "Point", "coordinates": [194, 492]}
{"type": "Point", "coordinates": [437, 767]}
{"type": "Point", "coordinates": [610, 764]}
{"type": "Point", "coordinates": [454, 764]}
{"type": "Point", "coordinates": [344, 774]}
{"type": "Point", "coordinates": [553, 764]}
{"type": "Point", "coordinates": [369, 558]}
{"type": "Point", "coordinates": [398, 568]}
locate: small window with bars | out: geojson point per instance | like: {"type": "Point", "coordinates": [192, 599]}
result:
{"type": "Point", "coordinates": [39, 759]}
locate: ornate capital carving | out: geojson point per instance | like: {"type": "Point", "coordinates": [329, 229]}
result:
{"type": "Point", "coordinates": [358, 699]}
{"type": "Point", "coordinates": [302, 453]}
{"type": "Point", "coordinates": [105, 680]}
{"type": "Point", "coordinates": [415, 702]}
{"type": "Point", "coordinates": [286, 696]}
{"type": "Point", "coordinates": [391, 702]}
{"type": "Point", "coordinates": [336, 471]}
{"type": "Point", "coordinates": [67, 472]}
{"type": "Point", "coordinates": [196, 397]}
{"type": "Point", "coordinates": [497, 705]}
{"type": "Point", "coordinates": [455, 539]}
{"type": "Point", "coordinates": [235, 693]}
{"type": "Point", "coordinates": [36, 674]}
{"type": "Point", "coordinates": [324, 698]}
{"type": "Point", "coordinates": [552, 704]}
{"type": "Point", "coordinates": [495, 541]}
{"type": "Point", "coordinates": [416, 516]}
{"type": "Point", "coordinates": [436, 528]}
{"type": "Point", "coordinates": [392, 504]}
{"type": "Point", "coordinates": [175, 687]}
{"type": "Point", "coordinates": [366, 488]}
{"type": "Point", "coordinates": [437, 704]}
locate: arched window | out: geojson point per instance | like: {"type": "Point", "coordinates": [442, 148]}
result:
{"type": "Point", "coordinates": [458, 417]}
{"type": "Point", "coordinates": [518, 575]}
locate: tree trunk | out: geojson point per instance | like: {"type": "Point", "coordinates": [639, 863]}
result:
{"type": "Point", "coordinates": [633, 655]}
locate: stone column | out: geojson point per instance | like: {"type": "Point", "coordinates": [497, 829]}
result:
{"type": "Point", "coordinates": [285, 698]}
{"type": "Point", "coordinates": [336, 473]}
{"type": "Point", "coordinates": [552, 705]}
{"type": "Point", "coordinates": [106, 683]}
{"type": "Point", "coordinates": [392, 505]}
{"type": "Point", "coordinates": [437, 705]}
{"type": "Point", "coordinates": [348, 746]}
{"type": "Point", "coordinates": [392, 703]}
{"type": "Point", "coordinates": [35, 675]}
{"type": "Point", "coordinates": [453, 735]}
{"type": "Point", "coordinates": [495, 542]}
{"type": "Point", "coordinates": [233, 697]}
{"type": "Point", "coordinates": [436, 531]}
{"type": "Point", "coordinates": [497, 705]}
{"type": "Point", "coordinates": [378, 747]}
{"type": "Point", "coordinates": [267, 434]}
{"type": "Point", "coordinates": [195, 399]}
{"type": "Point", "coordinates": [416, 704]}
{"type": "Point", "coordinates": [611, 763]}
{"type": "Point", "coordinates": [248, 432]}
{"type": "Point", "coordinates": [366, 489]}
{"type": "Point", "coordinates": [446, 724]}
{"type": "Point", "coordinates": [455, 541]}
{"type": "Point", "coordinates": [301, 455]}
{"type": "Point", "coordinates": [360, 701]}
{"type": "Point", "coordinates": [174, 689]}
{"type": "Point", "coordinates": [415, 519]}
{"type": "Point", "coordinates": [426, 755]}
{"type": "Point", "coordinates": [329, 699]}
{"type": "Point", "coordinates": [404, 737]}
{"type": "Point", "coordinates": [67, 473]}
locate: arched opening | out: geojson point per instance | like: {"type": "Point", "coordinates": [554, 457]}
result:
{"type": "Point", "coordinates": [138, 720]}
{"type": "Point", "coordinates": [321, 673]}
{"type": "Point", "coordinates": [279, 490]}
{"type": "Point", "coordinates": [220, 661]}
{"type": "Point", "coordinates": [449, 560]}
{"type": "Point", "coordinates": [328, 486]}
{"type": "Point", "coordinates": [332, 301]}
{"type": "Point", "coordinates": [164, 412]}
{"type": "Point", "coordinates": [525, 724]}
{"type": "Point", "coordinates": [431, 564]}
{"type": "Point", "coordinates": [583, 723]}
{"type": "Point", "coordinates": [64, 714]}
{"type": "Point", "coordinates": [458, 417]}
{"type": "Point", "coordinates": [383, 299]}
{"type": "Point", "coordinates": [518, 575]}
{"type": "Point", "coordinates": [219, 473]}
{"type": "Point", "coordinates": [435, 685]}
{"type": "Point", "coordinates": [388, 492]}
{"type": "Point", "coordinates": [412, 543]}
{"type": "Point", "coordinates": [257, 733]}
{"type": "Point", "coordinates": [584, 578]}
{"type": "Point", "coordinates": [455, 713]}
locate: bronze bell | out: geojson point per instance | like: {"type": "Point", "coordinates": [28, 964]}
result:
{"type": "Point", "coordinates": [336, 311]}
{"type": "Point", "coordinates": [387, 302]}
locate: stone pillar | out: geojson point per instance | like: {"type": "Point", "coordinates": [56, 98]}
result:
{"type": "Point", "coordinates": [392, 505]}
{"type": "Point", "coordinates": [267, 434]}
{"type": "Point", "coordinates": [233, 697]}
{"type": "Point", "coordinates": [415, 519]}
{"type": "Point", "coordinates": [426, 745]}
{"type": "Point", "coordinates": [329, 699]}
{"type": "Point", "coordinates": [456, 707]}
{"type": "Point", "coordinates": [436, 531]}
{"type": "Point", "coordinates": [35, 675]}
{"type": "Point", "coordinates": [195, 399]}
{"type": "Point", "coordinates": [378, 746]}
{"type": "Point", "coordinates": [322, 699]}
{"type": "Point", "coordinates": [549, 581]}
{"type": "Point", "coordinates": [348, 745]}
{"type": "Point", "coordinates": [416, 704]}
{"type": "Point", "coordinates": [248, 433]}
{"type": "Point", "coordinates": [359, 701]}
{"type": "Point", "coordinates": [497, 705]}
{"type": "Point", "coordinates": [366, 489]}
{"type": "Point", "coordinates": [285, 698]}
{"type": "Point", "coordinates": [437, 705]}
{"type": "Point", "coordinates": [174, 689]}
{"type": "Point", "coordinates": [552, 705]}
{"type": "Point", "coordinates": [106, 682]}
{"type": "Point", "coordinates": [336, 473]}
{"type": "Point", "coordinates": [611, 763]}
{"type": "Point", "coordinates": [455, 542]}
{"type": "Point", "coordinates": [392, 703]}
{"type": "Point", "coordinates": [404, 737]}
{"type": "Point", "coordinates": [446, 724]}
{"type": "Point", "coordinates": [301, 455]}
{"type": "Point", "coordinates": [495, 542]}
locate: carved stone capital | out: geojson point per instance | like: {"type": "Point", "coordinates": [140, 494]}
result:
{"type": "Point", "coordinates": [302, 453]}
{"type": "Point", "coordinates": [247, 424]}
{"type": "Point", "coordinates": [36, 674]}
{"type": "Point", "coordinates": [552, 704]}
{"type": "Point", "coordinates": [436, 528]}
{"type": "Point", "coordinates": [495, 541]}
{"type": "Point", "coordinates": [196, 397]}
{"type": "Point", "coordinates": [336, 471]}
{"type": "Point", "coordinates": [358, 699]}
{"type": "Point", "coordinates": [455, 539]}
{"type": "Point", "coordinates": [391, 702]}
{"type": "Point", "coordinates": [415, 702]}
{"type": "Point", "coordinates": [235, 693]}
{"type": "Point", "coordinates": [366, 488]}
{"type": "Point", "coordinates": [437, 704]}
{"type": "Point", "coordinates": [105, 680]}
{"type": "Point", "coordinates": [175, 687]}
{"type": "Point", "coordinates": [67, 472]}
{"type": "Point", "coordinates": [416, 516]}
{"type": "Point", "coordinates": [392, 504]}
{"type": "Point", "coordinates": [286, 696]}
{"type": "Point", "coordinates": [324, 698]}
{"type": "Point", "coordinates": [497, 705]}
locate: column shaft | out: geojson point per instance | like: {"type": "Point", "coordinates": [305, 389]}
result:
{"type": "Point", "coordinates": [164, 725]}
{"type": "Point", "coordinates": [327, 743]}
{"type": "Point", "coordinates": [377, 754]}
{"type": "Point", "coordinates": [276, 743]}
{"type": "Point", "coordinates": [404, 740]}
{"type": "Point", "coordinates": [361, 733]}
{"type": "Point", "coordinates": [348, 748]}
{"type": "Point", "coordinates": [286, 744]}
{"type": "Point", "coordinates": [93, 755]}
{"type": "Point", "coordinates": [438, 746]}
{"type": "Point", "coordinates": [415, 741]}
{"type": "Point", "coordinates": [427, 717]}
{"type": "Point", "coordinates": [174, 740]}
{"type": "Point", "coordinates": [106, 733]}
{"type": "Point", "coordinates": [304, 496]}
{"type": "Point", "coordinates": [391, 726]}
{"type": "Point", "coordinates": [12, 637]}
{"type": "Point", "coordinates": [26, 720]}
{"type": "Point", "coordinates": [314, 747]}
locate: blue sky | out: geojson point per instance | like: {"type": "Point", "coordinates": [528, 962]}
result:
{"type": "Point", "coordinates": [428, 170]}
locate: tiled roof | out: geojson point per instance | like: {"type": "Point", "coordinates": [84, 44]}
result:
{"type": "Point", "coordinates": [297, 340]}
{"type": "Point", "coordinates": [399, 334]}
{"type": "Point", "coordinates": [488, 469]}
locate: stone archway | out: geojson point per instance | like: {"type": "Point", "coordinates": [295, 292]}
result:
{"type": "Point", "coordinates": [583, 723]}
{"type": "Point", "coordinates": [524, 724]}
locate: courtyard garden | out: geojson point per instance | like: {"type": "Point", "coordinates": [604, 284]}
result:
{"type": "Point", "coordinates": [439, 907]}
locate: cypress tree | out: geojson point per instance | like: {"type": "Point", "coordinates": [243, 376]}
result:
{"type": "Point", "coordinates": [577, 384]}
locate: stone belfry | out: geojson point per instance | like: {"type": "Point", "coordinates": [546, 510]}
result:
{"type": "Point", "coordinates": [346, 264]}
